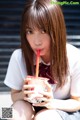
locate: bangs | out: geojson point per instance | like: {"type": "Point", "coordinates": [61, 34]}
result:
{"type": "Point", "coordinates": [36, 18]}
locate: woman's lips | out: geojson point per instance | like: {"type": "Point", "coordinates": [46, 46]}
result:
{"type": "Point", "coordinates": [38, 50]}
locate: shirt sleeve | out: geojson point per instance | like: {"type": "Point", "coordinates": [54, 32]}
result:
{"type": "Point", "coordinates": [75, 78]}
{"type": "Point", "coordinates": [14, 77]}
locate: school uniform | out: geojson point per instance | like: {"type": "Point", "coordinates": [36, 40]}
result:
{"type": "Point", "coordinates": [17, 73]}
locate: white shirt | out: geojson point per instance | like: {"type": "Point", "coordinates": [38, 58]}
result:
{"type": "Point", "coordinates": [17, 73]}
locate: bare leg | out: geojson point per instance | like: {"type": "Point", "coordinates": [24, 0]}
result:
{"type": "Point", "coordinates": [23, 111]}
{"type": "Point", "coordinates": [47, 115]}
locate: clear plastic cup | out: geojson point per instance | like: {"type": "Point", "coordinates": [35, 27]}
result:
{"type": "Point", "coordinates": [39, 86]}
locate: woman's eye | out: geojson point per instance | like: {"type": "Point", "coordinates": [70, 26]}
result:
{"type": "Point", "coordinates": [43, 31]}
{"type": "Point", "coordinates": [28, 32]}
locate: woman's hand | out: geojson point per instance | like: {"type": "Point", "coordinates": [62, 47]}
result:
{"type": "Point", "coordinates": [27, 90]}
{"type": "Point", "coordinates": [47, 97]}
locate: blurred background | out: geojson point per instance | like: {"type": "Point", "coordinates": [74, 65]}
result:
{"type": "Point", "coordinates": [10, 18]}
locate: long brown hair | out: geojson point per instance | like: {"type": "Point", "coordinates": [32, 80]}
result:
{"type": "Point", "coordinates": [43, 14]}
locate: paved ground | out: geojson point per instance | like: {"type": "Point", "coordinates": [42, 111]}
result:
{"type": "Point", "coordinates": [5, 100]}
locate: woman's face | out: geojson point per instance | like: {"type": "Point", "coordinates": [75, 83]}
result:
{"type": "Point", "coordinates": [39, 39]}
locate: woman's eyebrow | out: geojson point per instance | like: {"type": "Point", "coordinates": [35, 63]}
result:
{"type": "Point", "coordinates": [28, 28]}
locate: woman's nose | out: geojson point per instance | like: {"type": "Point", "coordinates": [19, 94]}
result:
{"type": "Point", "coordinates": [37, 40]}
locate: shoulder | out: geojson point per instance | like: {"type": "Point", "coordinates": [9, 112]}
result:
{"type": "Point", "coordinates": [71, 48]}
{"type": "Point", "coordinates": [73, 53]}
{"type": "Point", "coordinates": [17, 55]}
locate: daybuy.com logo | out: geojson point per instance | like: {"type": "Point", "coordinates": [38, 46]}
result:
{"type": "Point", "coordinates": [65, 3]}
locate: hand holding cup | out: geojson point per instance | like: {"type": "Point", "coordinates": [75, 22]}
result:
{"type": "Point", "coordinates": [35, 85]}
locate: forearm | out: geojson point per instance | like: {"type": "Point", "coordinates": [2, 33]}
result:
{"type": "Point", "coordinates": [17, 96]}
{"type": "Point", "coordinates": [69, 105]}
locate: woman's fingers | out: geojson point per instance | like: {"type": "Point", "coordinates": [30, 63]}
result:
{"type": "Point", "coordinates": [27, 99]}
{"type": "Point", "coordinates": [28, 87]}
{"type": "Point", "coordinates": [28, 92]}
{"type": "Point", "coordinates": [48, 95]}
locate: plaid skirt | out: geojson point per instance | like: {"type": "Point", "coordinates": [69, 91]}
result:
{"type": "Point", "coordinates": [69, 115]}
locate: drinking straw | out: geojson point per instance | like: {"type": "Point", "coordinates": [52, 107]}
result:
{"type": "Point", "coordinates": [37, 62]}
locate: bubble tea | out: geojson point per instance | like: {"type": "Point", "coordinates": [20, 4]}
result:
{"type": "Point", "coordinates": [39, 86]}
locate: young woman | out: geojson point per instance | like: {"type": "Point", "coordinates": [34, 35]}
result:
{"type": "Point", "coordinates": [43, 28]}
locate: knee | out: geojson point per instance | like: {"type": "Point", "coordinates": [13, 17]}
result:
{"type": "Point", "coordinates": [40, 115]}
{"type": "Point", "coordinates": [47, 114]}
{"type": "Point", "coordinates": [20, 104]}
{"type": "Point", "coordinates": [22, 111]}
